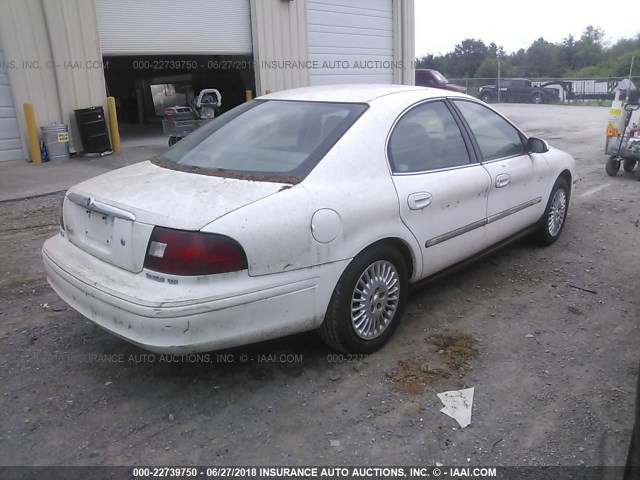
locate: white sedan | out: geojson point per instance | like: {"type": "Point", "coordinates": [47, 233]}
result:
{"type": "Point", "coordinates": [306, 209]}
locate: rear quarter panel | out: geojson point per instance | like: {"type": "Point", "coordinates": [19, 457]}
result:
{"type": "Point", "coordinates": [353, 180]}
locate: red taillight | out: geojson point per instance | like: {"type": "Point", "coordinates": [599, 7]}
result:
{"type": "Point", "coordinates": [168, 113]}
{"type": "Point", "coordinates": [179, 252]}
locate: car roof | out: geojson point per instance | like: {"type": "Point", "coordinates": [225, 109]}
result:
{"type": "Point", "coordinates": [352, 93]}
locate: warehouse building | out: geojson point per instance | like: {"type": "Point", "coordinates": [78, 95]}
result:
{"type": "Point", "coordinates": [63, 55]}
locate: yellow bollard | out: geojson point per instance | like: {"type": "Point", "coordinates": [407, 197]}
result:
{"type": "Point", "coordinates": [248, 94]}
{"type": "Point", "coordinates": [113, 124]}
{"type": "Point", "coordinates": [32, 132]}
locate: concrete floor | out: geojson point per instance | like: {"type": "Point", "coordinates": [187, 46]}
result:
{"type": "Point", "coordinates": [23, 179]}
{"type": "Point", "coordinates": [149, 135]}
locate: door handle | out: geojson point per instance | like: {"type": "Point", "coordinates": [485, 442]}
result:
{"type": "Point", "coordinates": [502, 180]}
{"type": "Point", "coordinates": [420, 200]}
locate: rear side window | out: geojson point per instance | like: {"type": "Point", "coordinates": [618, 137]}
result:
{"type": "Point", "coordinates": [267, 137]}
{"type": "Point", "coordinates": [496, 137]}
{"type": "Point", "coordinates": [427, 138]}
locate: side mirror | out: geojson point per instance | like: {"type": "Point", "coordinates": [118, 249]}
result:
{"type": "Point", "coordinates": [537, 145]}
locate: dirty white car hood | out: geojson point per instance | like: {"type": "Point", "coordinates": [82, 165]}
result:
{"type": "Point", "coordinates": [170, 198]}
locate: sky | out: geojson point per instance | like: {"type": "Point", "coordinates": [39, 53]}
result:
{"type": "Point", "coordinates": [441, 25]}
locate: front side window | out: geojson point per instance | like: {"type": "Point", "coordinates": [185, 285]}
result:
{"type": "Point", "coordinates": [496, 137]}
{"type": "Point", "coordinates": [427, 138]}
{"type": "Point", "coordinates": [271, 137]}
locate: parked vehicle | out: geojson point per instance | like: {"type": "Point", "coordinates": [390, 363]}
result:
{"type": "Point", "coordinates": [432, 78]}
{"type": "Point", "coordinates": [305, 209]}
{"type": "Point", "coordinates": [518, 90]}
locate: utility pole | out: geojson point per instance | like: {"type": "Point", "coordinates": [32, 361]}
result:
{"type": "Point", "coordinates": [498, 79]}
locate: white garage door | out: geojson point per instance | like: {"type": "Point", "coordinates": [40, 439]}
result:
{"type": "Point", "coordinates": [131, 27]}
{"type": "Point", "coordinates": [351, 41]}
{"type": "Point", "coordinates": [10, 143]}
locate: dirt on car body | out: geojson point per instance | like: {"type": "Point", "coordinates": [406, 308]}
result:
{"type": "Point", "coordinates": [553, 366]}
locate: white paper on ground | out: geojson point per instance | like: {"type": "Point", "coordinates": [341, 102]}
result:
{"type": "Point", "coordinates": [457, 404]}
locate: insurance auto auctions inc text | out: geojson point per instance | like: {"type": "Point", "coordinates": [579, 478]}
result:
{"type": "Point", "coordinates": [375, 472]}
{"type": "Point", "coordinates": [330, 64]}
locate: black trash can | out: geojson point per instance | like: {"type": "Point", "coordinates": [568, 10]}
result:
{"type": "Point", "coordinates": [94, 134]}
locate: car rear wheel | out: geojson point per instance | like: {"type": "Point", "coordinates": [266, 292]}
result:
{"type": "Point", "coordinates": [367, 302]}
{"type": "Point", "coordinates": [612, 166]}
{"type": "Point", "coordinates": [555, 214]}
{"type": "Point", "coordinates": [537, 98]}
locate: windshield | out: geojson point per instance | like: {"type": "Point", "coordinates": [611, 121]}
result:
{"type": "Point", "coordinates": [267, 137]}
{"type": "Point", "coordinates": [439, 77]}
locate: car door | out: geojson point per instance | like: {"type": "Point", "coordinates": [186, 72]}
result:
{"type": "Point", "coordinates": [516, 87]}
{"type": "Point", "coordinates": [505, 91]}
{"type": "Point", "coordinates": [441, 188]}
{"type": "Point", "coordinates": [514, 200]}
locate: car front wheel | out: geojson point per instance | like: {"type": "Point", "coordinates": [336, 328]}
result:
{"type": "Point", "coordinates": [367, 302]}
{"type": "Point", "coordinates": [485, 97]}
{"type": "Point", "coordinates": [555, 214]}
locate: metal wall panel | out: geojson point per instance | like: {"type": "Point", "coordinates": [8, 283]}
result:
{"type": "Point", "coordinates": [352, 41]}
{"type": "Point", "coordinates": [130, 27]}
{"type": "Point", "coordinates": [75, 47]}
{"type": "Point", "coordinates": [404, 42]}
{"type": "Point", "coordinates": [279, 35]}
{"type": "Point", "coordinates": [24, 39]}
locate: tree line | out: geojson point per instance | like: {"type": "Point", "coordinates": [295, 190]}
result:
{"type": "Point", "coordinates": [589, 56]}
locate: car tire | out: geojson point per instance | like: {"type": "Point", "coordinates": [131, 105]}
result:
{"type": "Point", "coordinates": [612, 166]}
{"type": "Point", "coordinates": [354, 323]}
{"type": "Point", "coordinates": [553, 220]}
{"type": "Point", "coordinates": [628, 164]}
{"type": "Point", "coordinates": [173, 141]}
{"type": "Point", "coordinates": [638, 173]}
{"type": "Point", "coordinates": [537, 98]}
{"type": "Point", "coordinates": [485, 97]}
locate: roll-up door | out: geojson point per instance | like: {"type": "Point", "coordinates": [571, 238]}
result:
{"type": "Point", "coordinates": [220, 27]}
{"type": "Point", "coordinates": [351, 41]}
{"type": "Point", "coordinates": [10, 143]}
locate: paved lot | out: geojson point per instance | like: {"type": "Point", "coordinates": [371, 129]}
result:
{"type": "Point", "coordinates": [553, 365]}
{"type": "Point", "coordinates": [21, 179]}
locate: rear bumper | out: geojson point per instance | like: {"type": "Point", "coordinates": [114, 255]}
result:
{"type": "Point", "coordinates": [196, 315]}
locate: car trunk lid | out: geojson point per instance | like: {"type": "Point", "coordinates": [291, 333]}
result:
{"type": "Point", "coordinates": [112, 216]}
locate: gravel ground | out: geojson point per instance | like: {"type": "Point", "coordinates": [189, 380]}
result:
{"type": "Point", "coordinates": [548, 338]}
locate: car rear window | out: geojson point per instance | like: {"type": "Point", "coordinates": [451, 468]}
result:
{"type": "Point", "coordinates": [267, 137]}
